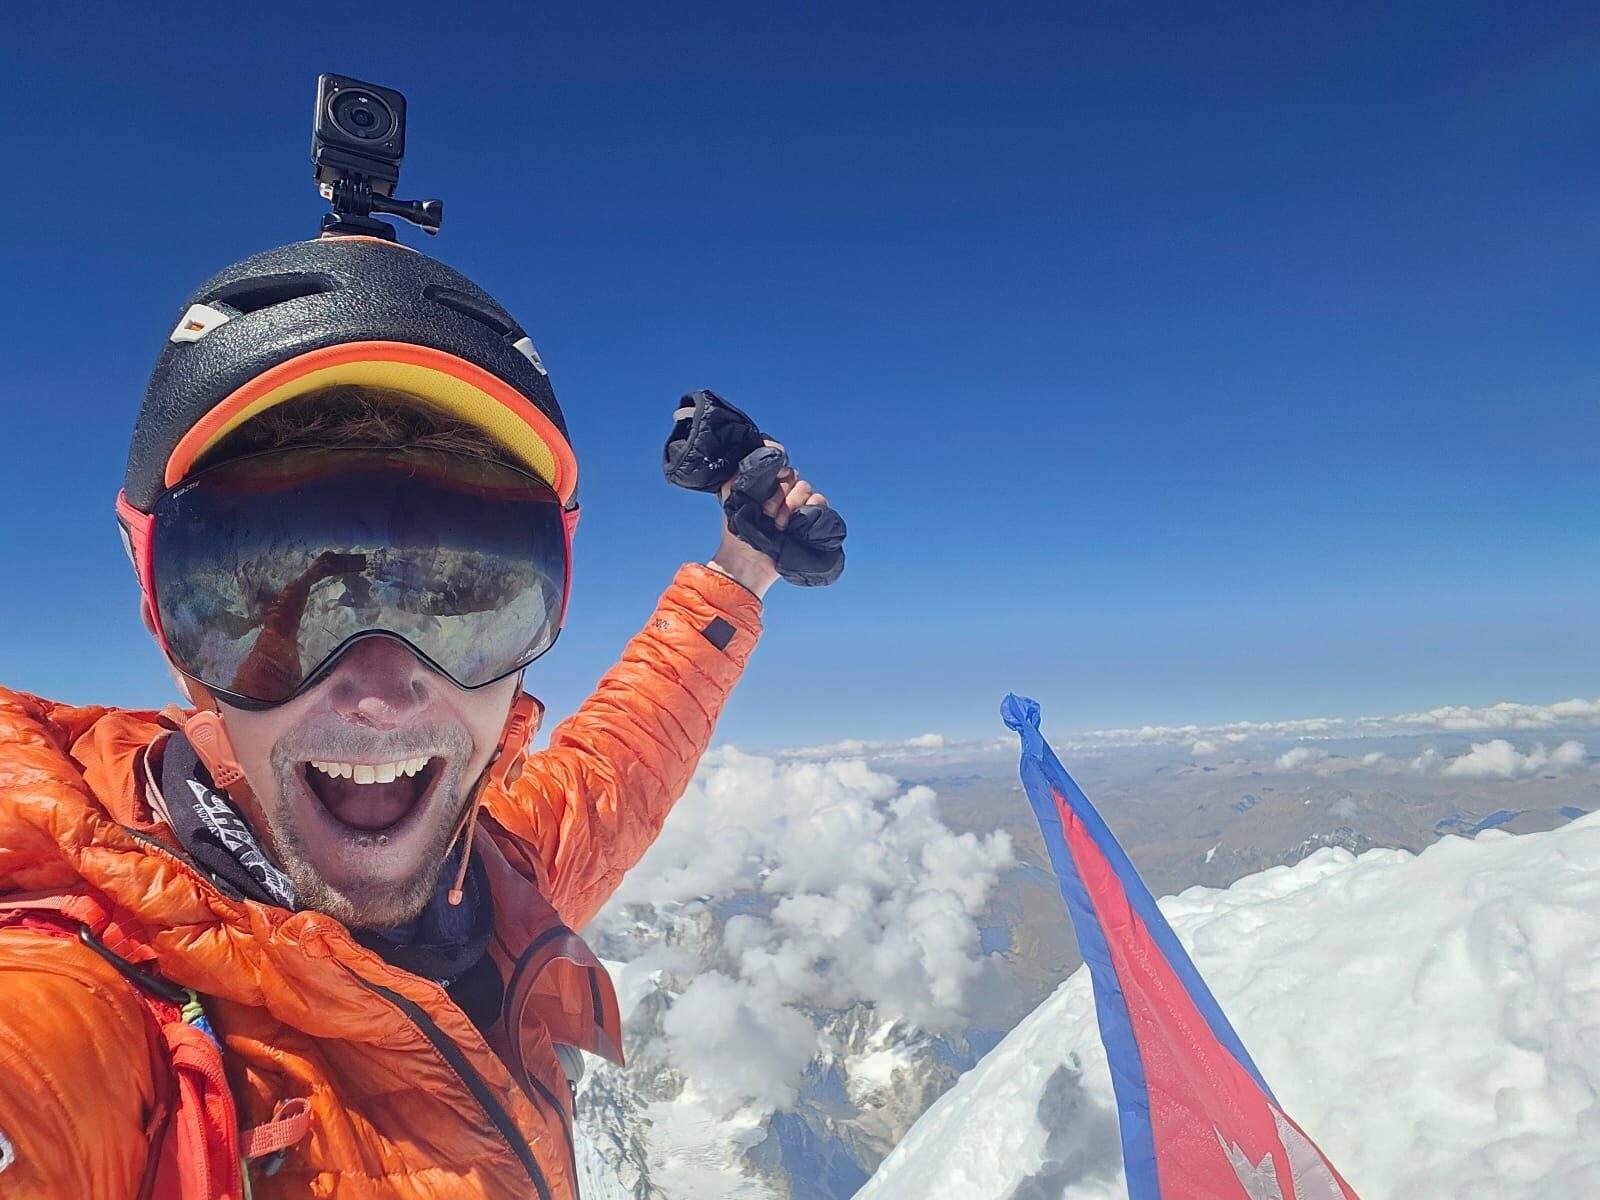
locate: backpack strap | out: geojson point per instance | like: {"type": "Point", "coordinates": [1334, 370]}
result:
{"type": "Point", "coordinates": [291, 1119]}
{"type": "Point", "coordinates": [197, 1150]}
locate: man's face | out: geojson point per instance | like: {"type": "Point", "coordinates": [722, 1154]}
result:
{"type": "Point", "coordinates": [359, 783]}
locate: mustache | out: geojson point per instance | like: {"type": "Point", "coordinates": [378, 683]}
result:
{"type": "Point", "coordinates": [353, 743]}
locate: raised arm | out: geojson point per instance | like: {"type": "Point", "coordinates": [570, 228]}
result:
{"type": "Point", "coordinates": [589, 806]}
{"type": "Point", "coordinates": [587, 809]}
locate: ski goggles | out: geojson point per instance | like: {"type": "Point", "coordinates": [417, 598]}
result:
{"type": "Point", "coordinates": [261, 572]}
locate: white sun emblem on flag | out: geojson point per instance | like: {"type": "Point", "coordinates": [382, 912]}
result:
{"type": "Point", "coordinates": [1309, 1174]}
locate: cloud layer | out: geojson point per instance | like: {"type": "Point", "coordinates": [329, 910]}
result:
{"type": "Point", "coordinates": [1206, 739]}
{"type": "Point", "coordinates": [844, 889]}
{"type": "Point", "coordinates": [1203, 741]}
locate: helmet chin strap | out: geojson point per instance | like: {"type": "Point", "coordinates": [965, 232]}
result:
{"type": "Point", "coordinates": [504, 769]}
{"type": "Point", "coordinates": [209, 737]}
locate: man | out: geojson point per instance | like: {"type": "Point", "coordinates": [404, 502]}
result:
{"type": "Point", "coordinates": [350, 501]}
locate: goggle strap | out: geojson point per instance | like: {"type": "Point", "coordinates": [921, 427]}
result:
{"type": "Point", "coordinates": [504, 769]}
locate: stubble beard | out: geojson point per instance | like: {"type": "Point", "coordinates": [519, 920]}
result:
{"type": "Point", "coordinates": [378, 902]}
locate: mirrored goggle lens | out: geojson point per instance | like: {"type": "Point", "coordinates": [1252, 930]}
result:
{"type": "Point", "coordinates": [265, 568]}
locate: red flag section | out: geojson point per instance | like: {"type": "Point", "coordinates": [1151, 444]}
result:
{"type": "Point", "coordinates": [1198, 1121]}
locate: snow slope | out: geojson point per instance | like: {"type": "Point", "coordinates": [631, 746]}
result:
{"type": "Point", "coordinates": [1432, 1021]}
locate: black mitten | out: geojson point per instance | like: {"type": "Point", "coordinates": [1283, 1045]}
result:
{"type": "Point", "coordinates": [712, 442]}
{"type": "Point", "coordinates": [709, 438]}
{"type": "Point", "coordinates": [810, 550]}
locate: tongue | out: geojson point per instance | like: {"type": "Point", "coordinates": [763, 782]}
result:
{"type": "Point", "coordinates": [365, 805]}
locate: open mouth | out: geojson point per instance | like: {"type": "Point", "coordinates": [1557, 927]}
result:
{"type": "Point", "coordinates": [372, 797]}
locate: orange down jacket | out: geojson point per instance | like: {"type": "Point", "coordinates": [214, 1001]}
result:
{"type": "Point", "coordinates": [407, 1098]}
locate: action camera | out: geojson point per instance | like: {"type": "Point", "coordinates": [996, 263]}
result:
{"type": "Point", "coordinates": [360, 130]}
{"type": "Point", "coordinates": [358, 138]}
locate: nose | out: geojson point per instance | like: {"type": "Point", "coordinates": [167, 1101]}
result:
{"type": "Point", "coordinates": [380, 683]}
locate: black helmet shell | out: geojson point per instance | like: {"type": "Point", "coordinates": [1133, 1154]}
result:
{"type": "Point", "coordinates": [276, 306]}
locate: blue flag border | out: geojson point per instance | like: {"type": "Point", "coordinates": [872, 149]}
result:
{"type": "Point", "coordinates": [1042, 776]}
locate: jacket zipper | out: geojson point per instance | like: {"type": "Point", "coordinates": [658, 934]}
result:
{"type": "Point", "coordinates": [534, 947]}
{"type": "Point", "coordinates": [452, 1054]}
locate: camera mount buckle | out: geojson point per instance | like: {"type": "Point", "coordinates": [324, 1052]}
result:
{"type": "Point", "coordinates": [354, 201]}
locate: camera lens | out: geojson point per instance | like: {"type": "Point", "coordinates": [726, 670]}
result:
{"type": "Point", "coordinates": [361, 115]}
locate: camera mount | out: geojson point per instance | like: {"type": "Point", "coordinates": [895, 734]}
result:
{"type": "Point", "coordinates": [357, 141]}
{"type": "Point", "coordinates": [354, 201]}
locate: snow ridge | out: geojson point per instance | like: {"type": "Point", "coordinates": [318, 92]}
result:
{"type": "Point", "coordinates": [1431, 1020]}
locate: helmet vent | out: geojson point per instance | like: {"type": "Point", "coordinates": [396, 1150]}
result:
{"type": "Point", "coordinates": [470, 306]}
{"type": "Point", "coordinates": [265, 291]}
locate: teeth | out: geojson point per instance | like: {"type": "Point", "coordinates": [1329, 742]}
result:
{"type": "Point", "coordinates": [372, 772]}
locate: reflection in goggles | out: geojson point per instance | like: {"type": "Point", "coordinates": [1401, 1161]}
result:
{"type": "Point", "coordinates": [258, 587]}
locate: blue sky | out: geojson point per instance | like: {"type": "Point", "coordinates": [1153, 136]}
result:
{"type": "Point", "coordinates": [1169, 366]}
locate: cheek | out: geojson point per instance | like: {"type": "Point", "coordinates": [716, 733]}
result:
{"type": "Point", "coordinates": [253, 736]}
{"type": "Point", "coordinates": [484, 714]}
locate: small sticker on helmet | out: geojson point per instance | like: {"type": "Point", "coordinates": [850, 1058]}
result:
{"type": "Point", "coordinates": [8, 1154]}
{"type": "Point", "coordinates": [524, 346]}
{"type": "Point", "coordinates": [200, 320]}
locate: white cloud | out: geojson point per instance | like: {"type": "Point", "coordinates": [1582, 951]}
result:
{"type": "Point", "coordinates": [1499, 759]}
{"type": "Point", "coordinates": [1203, 747]}
{"type": "Point", "coordinates": [738, 1041]}
{"type": "Point", "coordinates": [1568, 757]}
{"type": "Point", "coordinates": [1300, 756]}
{"type": "Point", "coordinates": [849, 748]}
{"type": "Point", "coordinates": [1504, 715]}
{"type": "Point", "coordinates": [854, 890]}
{"type": "Point", "coordinates": [1576, 709]}
{"type": "Point", "coordinates": [1571, 714]}
{"type": "Point", "coordinates": [923, 745]}
{"type": "Point", "coordinates": [1429, 761]}
{"type": "Point", "coordinates": [1490, 760]}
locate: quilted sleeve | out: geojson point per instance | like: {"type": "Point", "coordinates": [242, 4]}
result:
{"type": "Point", "coordinates": [75, 1088]}
{"type": "Point", "coordinates": [587, 808]}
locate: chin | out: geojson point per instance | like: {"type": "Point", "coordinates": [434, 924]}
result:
{"type": "Point", "coordinates": [366, 904]}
